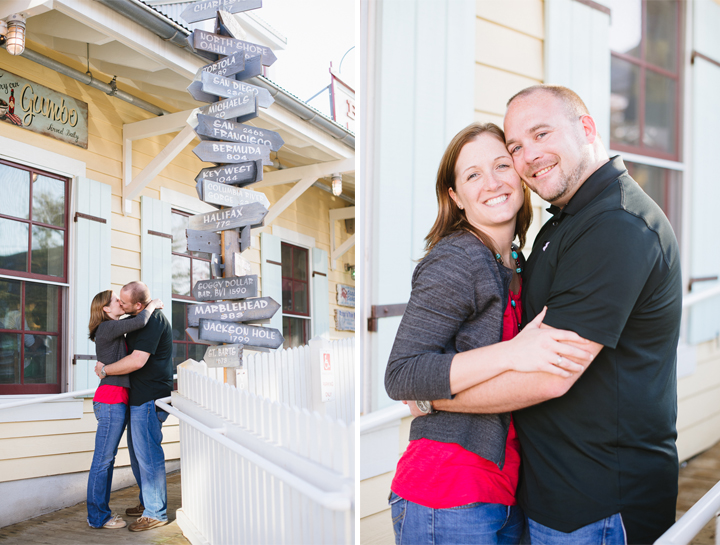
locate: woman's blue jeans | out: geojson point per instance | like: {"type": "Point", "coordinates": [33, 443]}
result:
{"type": "Point", "coordinates": [477, 523]}
{"type": "Point", "coordinates": [112, 419]}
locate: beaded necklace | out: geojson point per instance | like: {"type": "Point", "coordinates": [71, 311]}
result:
{"type": "Point", "coordinates": [518, 268]}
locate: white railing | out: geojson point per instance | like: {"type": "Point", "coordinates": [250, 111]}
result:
{"type": "Point", "coordinates": [45, 398]}
{"type": "Point", "coordinates": [690, 524]}
{"type": "Point", "coordinates": [258, 471]}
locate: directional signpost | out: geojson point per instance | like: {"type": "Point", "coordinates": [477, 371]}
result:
{"type": "Point", "coordinates": [239, 152]}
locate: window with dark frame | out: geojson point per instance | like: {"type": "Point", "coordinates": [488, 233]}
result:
{"type": "Point", "coordinates": [187, 268]}
{"type": "Point", "coordinates": [33, 251]}
{"type": "Point", "coordinates": [295, 295]}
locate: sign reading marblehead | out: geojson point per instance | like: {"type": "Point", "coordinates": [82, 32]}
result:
{"type": "Point", "coordinates": [248, 310]}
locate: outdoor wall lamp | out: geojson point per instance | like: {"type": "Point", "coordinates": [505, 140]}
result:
{"type": "Point", "coordinates": [337, 184]}
{"type": "Point", "coordinates": [15, 34]}
{"type": "Point", "coordinates": [3, 32]}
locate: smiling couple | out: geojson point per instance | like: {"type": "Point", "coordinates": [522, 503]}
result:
{"type": "Point", "coordinates": [557, 373]}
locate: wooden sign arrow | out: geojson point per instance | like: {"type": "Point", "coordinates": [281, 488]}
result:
{"type": "Point", "coordinates": [227, 25]}
{"type": "Point", "coordinates": [234, 174]}
{"type": "Point", "coordinates": [206, 9]}
{"type": "Point", "coordinates": [204, 241]}
{"type": "Point", "coordinates": [194, 335]}
{"type": "Point", "coordinates": [253, 67]}
{"type": "Point", "coordinates": [224, 129]}
{"type": "Point", "coordinates": [227, 66]}
{"type": "Point", "coordinates": [235, 287]}
{"type": "Point", "coordinates": [229, 195]}
{"type": "Point", "coordinates": [227, 152]}
{"type": "Point", "coordinates": [222, 45]}
{"type": "Point", "coordinates": [267, 337]}
{"type": "Point", "coordinates": [195, 89]}
{"type": "Point", "coordinates": [229, 218]}
{"type": "Point", "coordinates": [238, 106]}
{"type": "Point", "coordinates": [227, 355]}
{"type": "Point", "coordinates": [248, 310]}
{"type": "Point", "coordinates": [227, 87]}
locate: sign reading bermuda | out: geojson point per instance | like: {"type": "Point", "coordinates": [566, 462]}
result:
{"type": "Point", "coordinates": [265, 337]}
{"type": "Point", "coordinates": [247, 310]}
{"type": "Point", "coordinates": [236, 287]}
{"type": "Point", "coordinates": [226, 152]}
{"type": "Point", "coordinates": [229, 218]}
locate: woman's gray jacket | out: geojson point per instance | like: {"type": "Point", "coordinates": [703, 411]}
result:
{"type": "Point", "coordinates": [459, 295]}
{"type": "Point", "coordinates": [110, 343]}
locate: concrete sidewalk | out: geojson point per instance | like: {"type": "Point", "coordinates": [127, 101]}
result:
{"type": "Point", "coordinates": [69, 526]}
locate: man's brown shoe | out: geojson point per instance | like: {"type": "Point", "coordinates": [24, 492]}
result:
{"type": "Point", "coordinates": [146, 523]}
{"type": "Point", "coordinates": [136, 511]}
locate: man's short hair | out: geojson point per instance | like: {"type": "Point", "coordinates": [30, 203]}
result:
{"type": "Point", "coordinates": [138, 292]}
{"type": "Point", "coordinates": [574, 105]}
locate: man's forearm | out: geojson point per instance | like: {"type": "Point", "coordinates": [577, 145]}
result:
{"type": "Point", "coordinates": [124, 366]}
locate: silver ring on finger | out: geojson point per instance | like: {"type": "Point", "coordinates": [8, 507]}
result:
{"type": "Point", "coordinates": [559, 361]}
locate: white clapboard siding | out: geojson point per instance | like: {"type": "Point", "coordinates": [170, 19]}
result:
{"type": "Point", "coordinates": [320, 293]}
{"type": "Point", "coordinates": [704, 317]}
{"type": "Point", "coordinates": [271, 271]}
{"type": "Point", "coordinates": [92, 269]}
{"type": "Point", "coordinates": [156, 250]}
{"type": "Point", "coordinates": [577, 55]}
{"type": "Point", "coordinates": [226, 498]}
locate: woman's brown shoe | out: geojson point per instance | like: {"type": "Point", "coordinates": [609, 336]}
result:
{"type": "Point", "coordinates": [136, 511]}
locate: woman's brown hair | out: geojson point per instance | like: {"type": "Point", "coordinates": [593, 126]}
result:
{"type": "Point", "coordinates": [97, 314]}
{"type": "Point", "coordinates": [450, 218]}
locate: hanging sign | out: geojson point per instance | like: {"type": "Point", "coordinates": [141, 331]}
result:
{"type": "Point", "coordinates": [227, 355]}
{"type": "Point", "coordinates": [227, 152]}
{"type": "Point", "coordinates": [235, 174]}
{"type": "Point", "coordinates": [223, 129]}
{"type": "Point", "coordinates": [226, 87]}
{"type": "Point", "coordinates": [206, 9]}
{"type": "Point", "coordinates": [229, 195]}
{"type": "Point", "coordinates": [344, 320]}
{"type": "Point", "coordinates": [247, 310]}
{"type": "Point", "coordinates": [204, 241]}
{"type": "Point", "coordinates": [39, 109]}
{"type": "Point", "coordinates": [238, 106]}
{"type": "Point", "coordinates": [266, 337]}
{"type": "Point", "coordinates": [236, 287]}
{"type": "Point", "coordinates": [345, 295]}
{"type": "Point", "coordinates": [222, 45]}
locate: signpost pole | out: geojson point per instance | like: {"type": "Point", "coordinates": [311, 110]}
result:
{"type": "Point", "coordinates": [230, 245]}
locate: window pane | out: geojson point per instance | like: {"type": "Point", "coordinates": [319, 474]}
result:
{"type": "Point", "coordinates": [200, 270]}
{"type": "Point", "coordinates": [179, 240]}
{"type": "Point", "coordinates": [41, 307]}
{"type": "Point", "coordinates": [41, 357]}
{"type": "Point", "coordinates": [659, 112]}
{"type": "Point", "coordinates": [286, 260]}
{"type": "Point", "coordinates": [178, 354]}
{"type": "Point", "coordinates": [10, 316]}
{"type": "Point", "coordinates": [662, 33]}
{"type": "Point", "coordinates": [49, 201]}
{"type": "Point", "coordinates": [13, 245]}
{"type": "Point", "coordinates": [178, 321]}
{"type": "Point", "coordinates": [287, 294]}
{"type": "Point", "coordinates": [181, 275]}
{"type": "Point", "coordinates": [300, 263]}
{"type": "Point", "coordinates": [15, 191]}
{"type": "Point", "coordinates": [48, 251]}
{"type": "Point", "coordinates": [300, 297]}
{"type": "Point", "coordinates": [653, 180]}
{"type": "Point", "coordinates": [624, 102]}
{"type": "Point", "coordinates": [295, 331]}
{"type": "Point", "coordinates": [626, 26]}
{"type": "Point", "coordinates": [9, 358]}
{"type": "Point", "coordinates": [196, 351]}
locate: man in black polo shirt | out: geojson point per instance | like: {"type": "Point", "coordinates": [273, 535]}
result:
{"type": "Point", "coordinates": [598, 448]}
{"type": "Point", "coordinates": [149, 362]}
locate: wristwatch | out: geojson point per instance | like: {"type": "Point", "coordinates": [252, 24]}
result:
{"type": "Point", "coordinates": [425, 407]}
{"type": "Point", "coordinates": [102, 372]}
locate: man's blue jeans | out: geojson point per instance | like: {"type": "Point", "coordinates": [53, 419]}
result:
{"type": "Point", "coordinates": [144, 438]}
{"type": "Point", "coordinates": [608, 531]}
{"type": "Point", "coordinates": [477, 523]}
{"type": "Point", "coordinates": [112, 419]}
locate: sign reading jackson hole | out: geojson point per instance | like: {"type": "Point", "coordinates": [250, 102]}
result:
{"type": "Point", "coordinates": [265, 337]}
{"type": "Point", "coordinates": [39, 109]}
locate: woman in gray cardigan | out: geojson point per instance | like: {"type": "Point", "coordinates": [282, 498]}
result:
{"type": "Point", "coordinates": [111, 400]}
{"type": "Point", "coordinates": [456, 481]}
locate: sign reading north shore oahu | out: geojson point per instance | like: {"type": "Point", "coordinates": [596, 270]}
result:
{"type": "Point", "coordinates": [248, 335]}
{"type": "Point", "coordinates": [204, 241]}
{"type": "Point", "coordinates": [236, 287]}
{"type": "Point", "coordinates": [206, 9]}
{"type": "Point", "coordinates": [344, 320]}
{"type": "Point", "coordinates": [228, 355]}
{"type": "Point", "coordinates": [226, 87]}
{"type": "Point", "coordinates": [223, 45]}
{"type": "Point", "coordinates": [345, 295]}
{"type": "Point", "coordinates": [247, 310]}
{"type": "Point", "coordinates": [231, 152]}
{"type": "Point", "coordinates": [229, 218]}
{"type": "Point", "coordinates": [227, 66]}
{"type": "Point", "coordinates": [229, 195]}
{"type": "Point", "coordinates": [223, 129]}
{"type": "Point", "coordinates": [238, 173]}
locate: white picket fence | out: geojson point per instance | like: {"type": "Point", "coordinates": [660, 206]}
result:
{"type": "Point", "coordinates": [256, 470]}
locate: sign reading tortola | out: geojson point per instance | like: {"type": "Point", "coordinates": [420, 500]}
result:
{"type": "Point", "coordinates": [344, 320]}
{"type": "Point", "coordinates": [228, 355]}
{"type": "Point", "coordinates": [345, 295]}
{"type": "Point", "coordinates": [236, 287]}
{"type": "Point", "coordinates": [265, 337]}
{"type": "Point", "coordinates": [37, 108]}
{"type": "Point", "coordinates": [260, 308]}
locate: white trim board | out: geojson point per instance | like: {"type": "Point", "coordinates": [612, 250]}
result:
{"type": "Point", "coordinates": [293, 237]}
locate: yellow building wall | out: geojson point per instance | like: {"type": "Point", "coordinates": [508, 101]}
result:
{"type": "Point", "coordinates": [37, 449]}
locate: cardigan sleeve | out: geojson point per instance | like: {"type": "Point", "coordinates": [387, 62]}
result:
{"type": "Point", "coordinates": [444, 296]}
{"type": "Point", "coordinates": [112, 329]}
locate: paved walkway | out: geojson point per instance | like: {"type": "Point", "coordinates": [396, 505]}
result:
{"type": "Point", "coordinates": [69, 526]}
